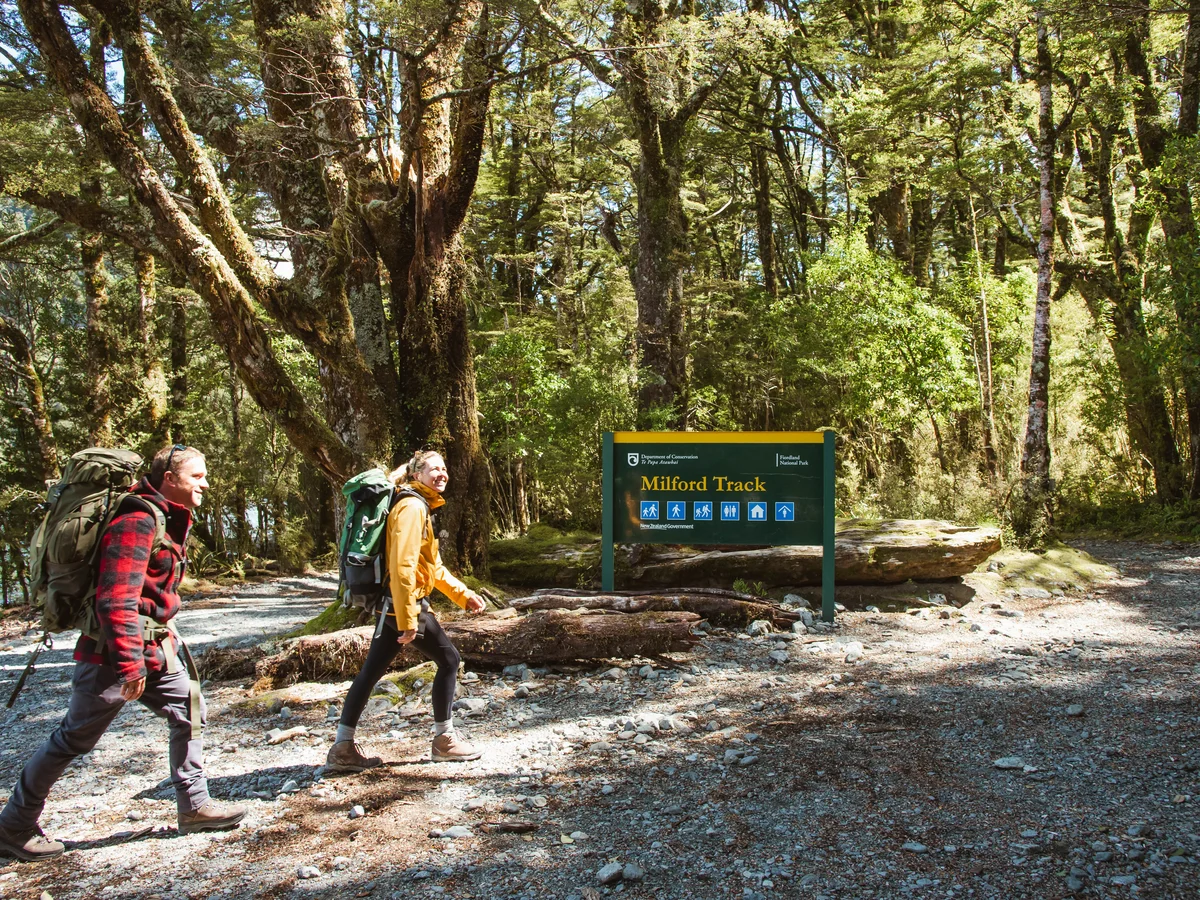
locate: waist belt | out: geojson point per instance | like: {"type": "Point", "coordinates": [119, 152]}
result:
{"type": "Point", "coordinates": [173, 649]}
{"type": "Point", "coordinates": [391, 611]}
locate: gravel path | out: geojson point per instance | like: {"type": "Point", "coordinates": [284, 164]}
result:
{"type": "Point", "coordinates": [1035, 743]}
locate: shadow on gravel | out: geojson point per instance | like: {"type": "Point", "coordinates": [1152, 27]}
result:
{"type": "Point", "coordinates": [243, 786]}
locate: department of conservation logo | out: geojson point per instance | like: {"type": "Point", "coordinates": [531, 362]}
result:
{"type": "Point", "coordinates": [633, 459]}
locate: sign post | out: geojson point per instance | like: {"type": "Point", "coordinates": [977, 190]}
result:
{"type": "Point", "coordinates": [732, 487]}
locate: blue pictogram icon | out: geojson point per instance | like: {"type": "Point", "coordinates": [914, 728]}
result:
{"type": "Point", "coordinates": [676, 510]}
{"type": "Point", "coordinates": [757, 512]}
{"type": "Point", "coordinates": [702, 510]}
{"type": "Point", "coordinates": [649, 510]}
{"type": "Point", "coordinates": [730, 512]}
{"type": "Point", "coordinates": [785, 512]}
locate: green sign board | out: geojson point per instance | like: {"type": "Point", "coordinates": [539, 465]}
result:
{"type": "Point", "coordinates": [759, 488]}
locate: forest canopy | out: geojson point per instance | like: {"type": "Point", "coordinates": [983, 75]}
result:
{"type": "Point", "coordinates": [310, 237]}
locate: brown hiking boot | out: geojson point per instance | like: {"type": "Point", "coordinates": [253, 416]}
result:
{"type": "Point", "coordinates": [344, 756]}
{"type": "Point", "coordinates": [451, 748]}
{"type": "Point", "coordinates": [30, 844]}
{"type": "Point", "coordinates": [212, 816]}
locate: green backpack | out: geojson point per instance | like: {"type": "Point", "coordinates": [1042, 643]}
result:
{"type": "Point", "coordinates": [63, 554]}
{"type": "Point", "coordinates": [362, 566]}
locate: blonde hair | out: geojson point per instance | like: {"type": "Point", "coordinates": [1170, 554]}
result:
{"type": "Point", "coordinates": [411, 469]}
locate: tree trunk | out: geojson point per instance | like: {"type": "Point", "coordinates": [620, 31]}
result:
{"type": "Point", "coordinates": [892, 208]}
{"type": "Point", "coordinates": [439, 406]}
{"type": "Point", "coordinates": [983, 364]}
{"type": "Point", "coordinates": [922, 235]}
{"type": "Point", "coordinates": [1032, 517]}
{"type": "Point", "coordinates": [35, 411]}
{"type": "Point", "coordinates": [1158, 147]}
{"type": "Point", "coordinates": [178, 338]}
{"type": "Point", "coordinates": [1113, 289]}
{"type": "Point", "coordinates": [99, 342]}
{"type": "Point", "coordinates": [761, 174]}
{"type": "Point", "coordinates": [153, 388]}
{"type": "Point", "coordinates": [241, 525]}
{"type": "Point", "coordinates": [658, 274]}
{"type": "Point", "coordinates": [520, 496]}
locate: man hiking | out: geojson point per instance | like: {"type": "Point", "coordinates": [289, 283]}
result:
{"type": "Point", "coordinates": [136, 656]}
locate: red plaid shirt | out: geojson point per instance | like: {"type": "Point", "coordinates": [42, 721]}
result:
{"type": "Point", "coordinates": [133, 581]}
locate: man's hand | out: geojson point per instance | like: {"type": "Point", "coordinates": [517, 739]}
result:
{"type": "Point", "coordinates": [475, 603]}
{"type": "Point", "coordinates": [406, 637]}
{"type": "Point", "coordinates": [131, 690]}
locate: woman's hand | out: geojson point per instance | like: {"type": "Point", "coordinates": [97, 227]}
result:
{"type": "Point", "coordinates": [406, 637]}
{"type": "Point", "coordinates": [475, 603]}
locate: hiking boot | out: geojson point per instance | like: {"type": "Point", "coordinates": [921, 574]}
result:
{"type": "Point", "coordinates": [30, 844]}
{"type": "Point", "coordinates": [212, 816]}
{"type": "Point", "coordinates": [344, 756]}
{"type": "Point", "coordinates": [451, 748]}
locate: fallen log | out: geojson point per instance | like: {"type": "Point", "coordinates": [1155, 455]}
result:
{"type": "Point", "coordinates": [500, 639]}
{"type": "Point", "coordinates": [725, 608]}
{"type": "Point", "coordinates": [889, 552]}
{"type": "Point", "coordinates": [225, 663]}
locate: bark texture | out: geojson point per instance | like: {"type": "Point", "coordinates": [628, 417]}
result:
{"type": "Point", "coordinates": [887, 552]}
{"type": "Point", "coordinates": [1035, 460]}
{"type": "Point", "coordinates": [890, 553]}
{"type": "Point", "coordinates": [541, 637]}
{"type": "Point", "coordinates": [34, 412]}
{"type": "Point", "coordinates": [724, 608]}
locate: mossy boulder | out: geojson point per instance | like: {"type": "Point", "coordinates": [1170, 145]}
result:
{"type": "Point", "coordinates": [545, 557]}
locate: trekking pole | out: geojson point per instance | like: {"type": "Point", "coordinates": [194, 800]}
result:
{"type": "Point", "coordinates": [498, 602]}
{"type": "Point", "coordinates": [47, 643]}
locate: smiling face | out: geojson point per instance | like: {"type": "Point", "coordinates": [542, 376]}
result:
{"type": "Point", "coordinates": [187, 486]}
{"type": "Point", "coordinates": [433, 474]}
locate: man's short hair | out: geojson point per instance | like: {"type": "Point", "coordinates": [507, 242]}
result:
{"type": "Point", "coordinates": [171, 459]}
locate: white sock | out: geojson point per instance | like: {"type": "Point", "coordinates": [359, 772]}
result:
{"type": "Point", "coordinates": [344, 733]}
{"type": "Point", "coordinates": [440, 728]}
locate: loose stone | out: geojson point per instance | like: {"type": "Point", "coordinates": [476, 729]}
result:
{"type": "Point", "coordinates": [1009, 762]}
{"type": "Point", "coordinates": [610, 874]}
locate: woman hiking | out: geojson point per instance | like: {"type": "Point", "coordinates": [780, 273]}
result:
{"type": "Point", "coordinates": [414, 568]}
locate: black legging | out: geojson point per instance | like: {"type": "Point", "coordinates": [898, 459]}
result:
{"type": "Point", "coordinates": [431, 642]}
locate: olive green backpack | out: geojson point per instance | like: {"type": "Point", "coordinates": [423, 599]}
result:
{"type": "Point", "coordinates": [64, 550]}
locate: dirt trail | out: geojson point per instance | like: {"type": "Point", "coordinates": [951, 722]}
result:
{"type": "Point", "coordinates": [1040, 742]}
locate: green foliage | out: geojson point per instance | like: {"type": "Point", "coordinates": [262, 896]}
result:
{"type": "Point", "coordinates": [900, 189]}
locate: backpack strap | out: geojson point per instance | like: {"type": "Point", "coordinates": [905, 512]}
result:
{"type": "Point", "coordinates": [160, 518]}
{"type": "Point", "coordinates": [409, 492]}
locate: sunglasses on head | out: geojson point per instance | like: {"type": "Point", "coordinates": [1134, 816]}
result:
{"type": "Point", "coordinates": [167, 467]}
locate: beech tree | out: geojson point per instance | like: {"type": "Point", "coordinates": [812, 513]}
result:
{"type": "Point", "coordinates": [367, 156]}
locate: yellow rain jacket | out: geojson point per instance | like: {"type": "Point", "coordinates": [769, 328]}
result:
{"type": "Point", "coordinates": [414, 563]}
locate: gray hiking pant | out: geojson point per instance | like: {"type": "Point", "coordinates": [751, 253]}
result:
{"type": "Point", "coordinates": [95, 702]}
